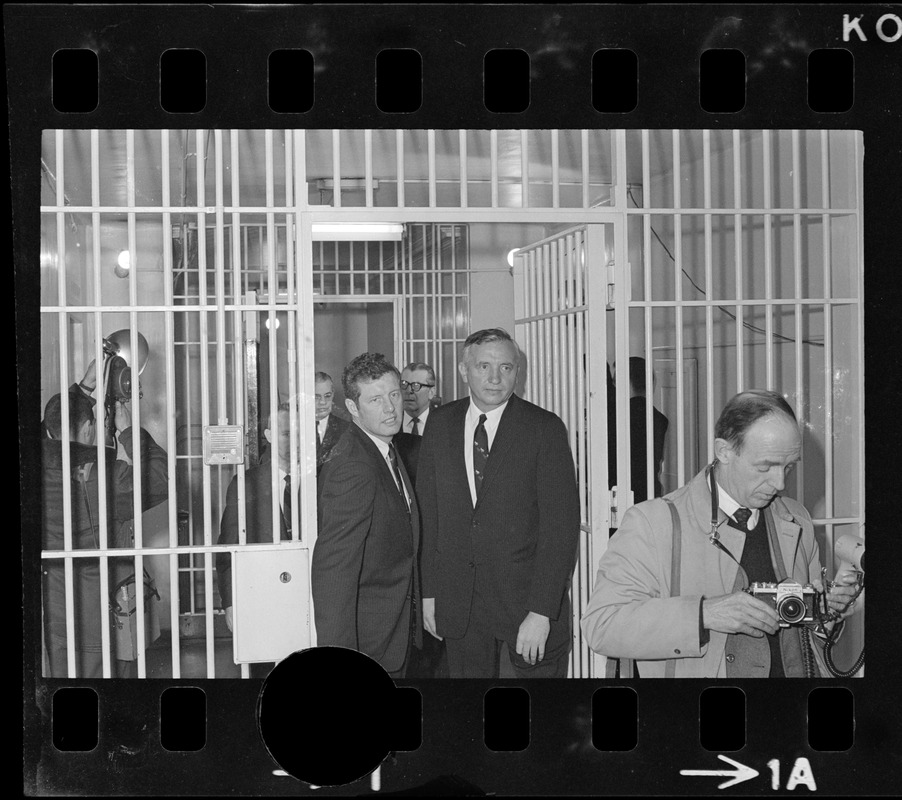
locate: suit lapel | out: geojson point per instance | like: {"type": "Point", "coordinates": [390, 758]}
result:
{"type": "Point", "coordinates": [414, 508]}
{"type": "Point", "coordinates": [788, 532]}
{"type": "Point", "coordinates": [383, 470]}
{"type": "Point", "coordinates": [457, 466]}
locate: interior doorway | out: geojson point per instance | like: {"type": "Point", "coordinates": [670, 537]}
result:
{"type": "Point", "coordinates": [346, 326]}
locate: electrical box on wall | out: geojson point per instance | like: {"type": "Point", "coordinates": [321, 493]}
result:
{"type": "Point", "coordinates": [223, 444]}
{"type": "Point", "coordinates": [270, 601]}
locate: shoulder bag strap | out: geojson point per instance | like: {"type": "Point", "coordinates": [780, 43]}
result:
{"type": "Point", "coordinates": [675, 556]}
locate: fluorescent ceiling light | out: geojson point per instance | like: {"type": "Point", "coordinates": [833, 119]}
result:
{"type": "Point", "coordinates": [358, 231]}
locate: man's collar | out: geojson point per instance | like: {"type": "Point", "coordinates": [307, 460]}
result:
{"type": "Point", "coordinates": [421, 416]}
{"type": "Point", "coordinates": [382, 445]}
{"type": "Point", "coordinates": [492, 416]}
{"type": "Point", "coordinates": [729, 506]}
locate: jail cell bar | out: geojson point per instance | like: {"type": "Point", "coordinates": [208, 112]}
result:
{"type": "Point", "coordinates": [429, 270]}
{"type": "Point", "coordinates": [195, 328]}
{"type": "Point", "coordinates": [762, 286]}
{"type": "Point", "coordinates": [737, 250]}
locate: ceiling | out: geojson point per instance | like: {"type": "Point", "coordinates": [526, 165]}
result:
{"type": "Point", "coordinates": [188, 149]}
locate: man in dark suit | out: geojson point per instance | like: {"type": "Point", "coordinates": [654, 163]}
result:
{"type": "Point", "coordinates": [429, 661]}
{"type": "Point", "coordinates": [500, 513]}
{"type": "Point", "coordinates": [365, 574]}
{"type": "Point", "coordinates": [418, 386]}
{"type": "Point", "coordinates": [638, 460]}
{"type": "Point", "coordinates": [258, 504]}
{"type": "Point", "coordinates": [408, 447]}
{"type": "Point", "coordinates": [329, 426]}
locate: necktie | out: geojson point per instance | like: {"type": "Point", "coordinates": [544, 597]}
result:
{"type": "Point", "coordinates": [480, 452]}
{"type": "Point", "coordinates": [286, 504]}
{"type": "Point", "coordinates": [742, 516]}
{"type": "Point", "coordinates": [393, 457]}
{"type": "Point", "coordinates": [414, 426]}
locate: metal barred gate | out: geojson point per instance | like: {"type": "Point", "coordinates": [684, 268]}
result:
{"type": "Point", "coordinates": [728, 259]}
{"type": "Point", "coordinates": [560, 306]}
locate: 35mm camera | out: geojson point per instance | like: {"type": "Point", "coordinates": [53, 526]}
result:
{"type": "Point", "coordinates": [793, 602]}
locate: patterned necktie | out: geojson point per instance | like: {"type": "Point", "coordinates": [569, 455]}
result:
{"type": "Point", "coordinates": [742, 516]}
{"type": "Point", "coordinates": [480, 452]}
{"type": "Point", "coordinates": [393, 457]}
{"type": "Point", "coordinates": [286, 504]}
{"type": "Point", "coordinates": [414, 423]}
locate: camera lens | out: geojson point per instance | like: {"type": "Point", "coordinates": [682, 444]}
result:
{"type": "Point", "coordinates": [791, 609]}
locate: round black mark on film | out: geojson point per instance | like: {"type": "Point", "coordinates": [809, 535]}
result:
{"type": "Point", "coordinates": [324, 715]}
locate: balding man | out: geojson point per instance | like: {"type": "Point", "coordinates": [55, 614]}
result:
{"type": "Point", "coordinates": [418, 387]}
{"type": "Point", "coordinates": [670, 587]}
{"type": "Point", "coordinates": [500, 504]}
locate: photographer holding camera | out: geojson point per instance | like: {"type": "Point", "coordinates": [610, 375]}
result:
{"type": "Point", "coordinates": [85, 516]}
{"type": "Point", "coordinates": [692, 585]}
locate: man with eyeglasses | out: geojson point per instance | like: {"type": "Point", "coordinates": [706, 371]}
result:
{"type": "Point", "coordinates": [418, 388]}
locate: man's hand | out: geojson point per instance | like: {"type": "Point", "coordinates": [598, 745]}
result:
{"type": "Point", "coordinates": [840, 595]}
{"type": "Point", "coordinates": [89, 382]}
{"type": "Point", "coordinates": [739, 612]}
{"type": "Point", "coordinates": [228, 616]}
{"type": "Point", "coordinates": [532, 636]}
{"type": "Point", "coordinates": [123, 418]}
{"type": "Point", "coordinates": [429, 616]}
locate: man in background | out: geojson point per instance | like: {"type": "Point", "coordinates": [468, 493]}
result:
{"type": "Point", "coordinates": [258, 503]}
{"type": "Point", "coordinates": [418, 386]}
{"type": "Point", "coordinates": [639, 402]}
{"type": "Point", "coordinates": [83, 479]}
{"type": "Point", "coordinates": [329, 426]}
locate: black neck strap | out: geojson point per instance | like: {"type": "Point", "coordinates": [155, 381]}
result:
{"type": "Point", "coordinates": [714, 536]}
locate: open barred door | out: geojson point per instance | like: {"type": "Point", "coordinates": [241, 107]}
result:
{"type": "Point", "coordinates": [561, 297]}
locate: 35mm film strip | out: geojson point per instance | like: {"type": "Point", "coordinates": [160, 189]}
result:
{"type": "Point", "coordinates": [730, 170]}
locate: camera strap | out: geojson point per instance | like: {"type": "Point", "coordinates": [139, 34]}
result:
{"type": "Point", "coordinates": [714, 536]}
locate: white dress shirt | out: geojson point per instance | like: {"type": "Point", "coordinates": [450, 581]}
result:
{"type": "Point", "coordinates": [729, 506]}
{"type": "Point", "coordinates": [321, 425]}
{"type": "Point", "coordinates": [493, 417]}
{"type": "Point", "coordinates": [408, 421]}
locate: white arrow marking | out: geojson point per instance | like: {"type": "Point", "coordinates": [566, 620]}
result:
{"type": "Point", "coordinates": [738, 775]}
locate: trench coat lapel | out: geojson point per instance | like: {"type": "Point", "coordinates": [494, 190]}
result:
{"type": "Point", "coordinates": [788, 532]}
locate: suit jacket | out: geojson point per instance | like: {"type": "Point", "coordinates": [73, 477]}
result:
{"type": "Point", "coordinates": [630, 612]}
{"type": "Point", "coordinates": [518, 546]}
{"type": "Point", "coordinates": [258, 501]}
{"type": "Point", "coordinates": [335, 427]}
{"type": "Point", "coordinates": [638, 465]}
{"type": "Point", "coordinates": [408, 447]}
{"type": "Point", "coordinates": [365, 575]}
